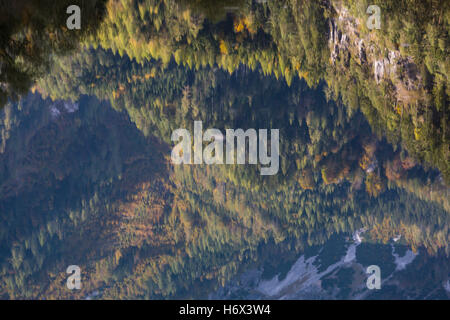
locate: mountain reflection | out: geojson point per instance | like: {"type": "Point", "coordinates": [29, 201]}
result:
{"type": "Point", "coordinates": [86, 177]}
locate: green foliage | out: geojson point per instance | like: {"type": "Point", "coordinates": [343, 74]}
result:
{"type": "Point", "coordinates": [89, 186]}
{"type": "Point", "coordinates": [31, 33]}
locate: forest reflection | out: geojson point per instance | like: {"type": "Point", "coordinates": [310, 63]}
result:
{"type": "Point", "coordinates": [85, 157]}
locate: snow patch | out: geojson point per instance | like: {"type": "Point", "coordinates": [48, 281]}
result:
{"type": "Point", "coordinates": [378, 70]}
{"type": "Point", "coordinates": [447, 286]}
{"type": "Point", "coordinates": [70, 106]}
{"type": "Point", "coordinates": [304, 278]}
{"type": "Point", "coordinates": [54, 111]}
{"type": "Point", "coordinates": [351, 253]}
{"type": "Point", "coordinates": [357, 235]}
{"type": "Point", "coordinates": [300, 270]}
{"type": "Point", "coordinates": [402, 262]}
